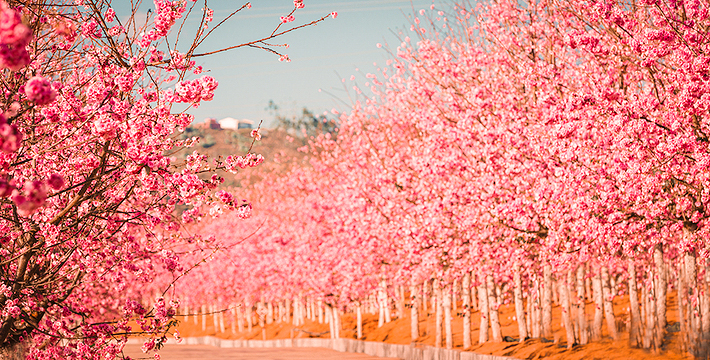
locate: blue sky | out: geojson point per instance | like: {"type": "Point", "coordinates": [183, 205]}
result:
{"type": "Point", "coordinates": [320, 55]}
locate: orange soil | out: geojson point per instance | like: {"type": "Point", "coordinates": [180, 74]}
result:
{"type": "Point", "coordinates": [398, 332]}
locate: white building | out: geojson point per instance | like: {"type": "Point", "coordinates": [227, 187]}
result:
{"type": "Point", "coordinates": [232, 123]}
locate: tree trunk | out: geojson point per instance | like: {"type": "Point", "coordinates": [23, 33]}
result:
{"type": "Point", "coordinates": [635, 324]}
{"type": "Point", "coordinates": [336, 321]}
{"type": "Point", "coordinates": [439, 313]}
{"type": "Point", "coordinates": [425, 288]}
{"type": "Point", "coordinates": [693, 319]}
{"type": "Point", "coordinates": [454, 290]}
{"type": "Point", "coordinates": [566, 309]}
{"type": "Point", "coordinates": [705, 313]}
{"type": "Point", "coordinates": [221, 322]}
{"type": "Point", "coordinates": [581, 308]}
{"type": "Point", "coordinates": [250, 317]}
{"type": "Point", "coordinates": [446, 298]}
{"type": "Point", "coordinates": [240, 318]}
{"type": "Point", "coordinates": [519, 309]}
{"type": "Point", "coordinates": [319, 308]}
{"type": "Point", "coordinates": [547, 302]}
{"type": "Point", "coordinates": [414, 310]}
{"type": "Point", "coordinates": [329, 320]}
{"type": "Point", "coordinates": [16, 351]}
{"type": "Point", "coordinates": [402, 300]}
{"type": "Point", "coordinates": [269, 313]}
{"type": "Point", "coordinates": [599, 307]}
{"type": "Point", "coordinates": [359, 321]}
{"type": "Point", "coordinates": [483, 307]}
{"type": "Point", "coordinates": [682, 305]}
{"type": "Point", "coordinates": [536, 314]}
{"type": "Point", "coordinates": [233, 324]}
{"type": "Point", "coordinates": [608, 305]}
{"type": "Point", "coordinates": [381, 298]}
{"type": "Point", "coordinates": [649, 312]}
{"type": "Point", "coordinates": [203, 309]}
{"type": "Point", "coordinates": [661, 283]}
{"type": "Point", "coordinates": [493, 310]}
{"type": "Point", "coordinates": [466, 302]}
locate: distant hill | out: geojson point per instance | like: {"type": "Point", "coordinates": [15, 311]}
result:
{"type": "Point", "coordinates": [278, 148]}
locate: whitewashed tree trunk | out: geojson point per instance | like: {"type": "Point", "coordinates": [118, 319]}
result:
{"type": "Point", "coordinates": [704, 352]}
{"type": "Point", "coordinates": [336, 322]}
{"type": "Point", "coordinates": [536, 322]}
{"type": "Point", "coordinates": [566, 309]}
{"type": "Point", "coordinates": [588, 287]}
{"type": "Point", "coordinates": [261, 313]}
{"type": "Point", "coordinates": [519, 309]}
{"type": "Point", "coordinates": [215, 317]}
{"type": "Point", "coordinates": [240, 318]}
{"type": "Point", "coordinates": [454, 290]}
{"type": "Point", "coordinates": [483, 307]}
{"type": "Point", "coordinates": [661, 283]}
{"type": "Point", "coordinates": [433, 298]}
{"type": "Point", "coordinates": [250, 317]}
{"type": "Point", "coordinates": [547, 302]}
{"type": "Point", "coordinates": [359, 321]}
{"type": "Point", "coordinates": [598, 306]}
{"type": "Point", "coordinates": [203, 310]}
{"type": "Point", "coordinates": [439, 312]}
{"type": "Point", "coordinates": [221, 322]}
{"type": "Point", "coordinates": [269, 313]}
{"type": "Point", "coordinates": [425, 288]}
{"type": "Point", "coordinates": [609, 305]}
{"type": "Point", "coordinates": [400, 303]}
{"type": "Point", "coordinates": [466, 303]}
{"type": "Point", "coordinates": [296, 311]}
{"type": "Point", "coordinates": [581, 308]}
{"type": "Point", "coordinates": [414, 310]}
{"type": "Point", "coordinates": [381, 298]}
{"type": "Point", "coordinates": [650, 307]}
{"type": "Point", "coordinates": [635, 324]}
{"type": "Point", "coordinates": [682, 304]}
{"type": "Point", "coordinates": [287, 313]}
{"type": "Point", "coordinates": [447, 316]}
{"type": "Point", "coordinates": [691, 284]}
{"type": "Point", "coordinates": [233, 324]}
{"type": "Point", "coordinates": [531, 316]}
{"type": "Point", "coordinates": [329, 320]}
{"type": "Point", "coordinates": [493, 310]}
{"type": "Point", "coordinates": [195, 316]}
{"type": "Point", "coordinates": [319, 307]}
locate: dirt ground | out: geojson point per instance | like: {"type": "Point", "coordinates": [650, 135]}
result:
{"type": "Point", "coordinates": [398, 332]}
{"type": "Point", "coordinates": [206, 352]}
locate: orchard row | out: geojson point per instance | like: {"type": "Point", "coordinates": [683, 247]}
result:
{"type": "Point", "coordinates": [522, 148]}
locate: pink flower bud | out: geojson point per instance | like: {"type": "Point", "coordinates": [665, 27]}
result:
{"type": "Point", "coordinates": [39, 90]}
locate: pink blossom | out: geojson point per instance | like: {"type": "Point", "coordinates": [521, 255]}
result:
{"type": "Point", "coordinates": [298, 4]}
{"type": "Point", "coordinates": [39, 90]}
{"type": "Point", "coordinates": [244, 211]}
{"type": "Point", "coordinates": [32, 196]}
{"type": "Point", "coordinates": [256, 134]}
{"type": "Point", "coordinates": [55, 181]}
{"type": "Point", "coordinates": [10, 138]}
{"type": "Point", "coordinates": [334, 14]}
{"type": "Point", "coordinates": [14, 37]}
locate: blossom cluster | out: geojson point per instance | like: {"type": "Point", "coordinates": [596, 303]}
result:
{"type": "Point", "coordinates": [14, 38]}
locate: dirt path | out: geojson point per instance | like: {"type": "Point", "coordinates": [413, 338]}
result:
{"type": "Point", "coordinates": [206, 352]}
